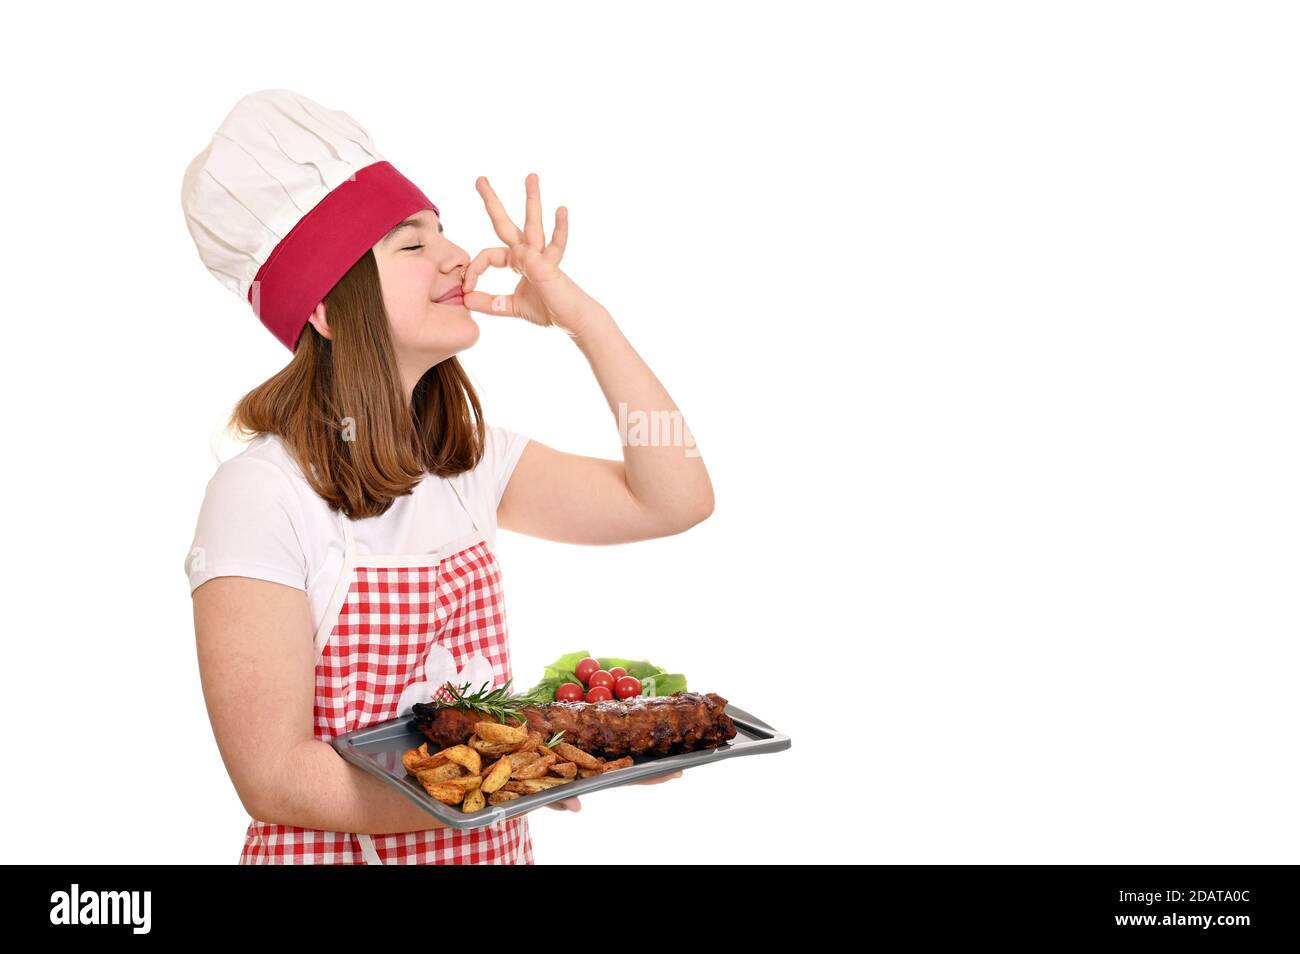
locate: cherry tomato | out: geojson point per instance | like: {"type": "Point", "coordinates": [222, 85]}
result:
{"type": "Point", "coordinates": [569, 692]}
{"type": "Point", "coordinates": [627, 687]}
{"type": "Point", "coordinates": [600, 678]}
{"type": "Point", "coordinates": [618, 672]}
{"type": "Point", "coordinates": [599, 694]}
{"type": "Point", "coordinates": [585, 668]}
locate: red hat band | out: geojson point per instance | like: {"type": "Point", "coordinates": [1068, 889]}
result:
{"type": "Point", "coordinates": [326, 242]}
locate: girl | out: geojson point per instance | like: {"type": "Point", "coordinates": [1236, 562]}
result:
{"type": "Point", "coordinates": [343, 564]}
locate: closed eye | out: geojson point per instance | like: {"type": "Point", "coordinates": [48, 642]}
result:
{"type": "Point", "coordinates": [411, 248]}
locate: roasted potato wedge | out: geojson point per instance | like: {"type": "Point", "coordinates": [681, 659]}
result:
{"type": "Point", "coordinates": [467, 783]}
{"type": "Point", "coordinates": [519, 759]}
{"type": "Point", "coordinates": [442, 773]}
{"type": "Point", "coordinates": [497, 775]}
{"type": "Point", "coordinates": [535, 769]}
{"type": "Point", "coordinates": [531, 786]}
{"type": "Point", "coordinates": [501, 796]}
{"type": "Point", "coordinates": [500, 733]}
{"type": "Point", "coordinates": [564, 769]}
{"type": "Point", "coordinates": [571, 753]}
{"type": "Point", "coordinates": [495, 749]}
{"type": "Point", "coordinates": [413, 761]}
{"type": "Point", "coordinates": [464, 755]}
{"type": "Point", "coordinates": [624, 762]}
{"type": "Point", "coordinates": [474, 801]}
{"type": "Point", "coordinates": [446, 792]}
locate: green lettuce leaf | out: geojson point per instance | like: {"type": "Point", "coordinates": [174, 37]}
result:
{"type": "Point", "coordinates": [664, 684]}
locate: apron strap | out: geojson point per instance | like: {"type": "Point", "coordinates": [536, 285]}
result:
{"type": "Point", "coordinates": [368, 849]}
{"type": "Point", "coordinates": [456, 491]}
{"type": "Point", "coordinates": [349, 544]}
{"type": "Point", "coordinates": [340, 587]}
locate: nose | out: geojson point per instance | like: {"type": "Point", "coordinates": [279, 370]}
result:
{"type": "Point", "coordinates": [452, 257]}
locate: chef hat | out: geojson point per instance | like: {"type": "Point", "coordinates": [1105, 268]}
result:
{"type": "Point", "coordinates": [285, 199]}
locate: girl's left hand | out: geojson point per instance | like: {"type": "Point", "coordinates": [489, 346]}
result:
{"type": "Point", "coordinates": [573, 805]}
{"type": "Point", "coordinates": [545, 295]}
{"type": "Point", "coordinates": [660, 778]}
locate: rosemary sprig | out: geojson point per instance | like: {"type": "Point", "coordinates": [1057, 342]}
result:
{"type": "Point", "coordinates": [497, 703]}
{"type": "Point", "coordinates": [555, 740]}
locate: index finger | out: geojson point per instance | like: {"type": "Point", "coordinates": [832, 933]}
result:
{"type": "Point", "coordinates": [533, 233]}
{"type": "Point", "coordinates": [506, 230]}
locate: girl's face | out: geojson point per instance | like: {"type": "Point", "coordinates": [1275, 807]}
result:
{"type": "Point", "coordinates": [417, 266]}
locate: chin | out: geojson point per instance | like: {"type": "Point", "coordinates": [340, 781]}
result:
{"type": "Point", "coordinates": [469, 332]}
{"type": "Point", "coordinates": [451, 336]}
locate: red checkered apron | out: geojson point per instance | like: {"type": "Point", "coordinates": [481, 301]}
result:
{"type": "Point", "coordinates": [385, 615]}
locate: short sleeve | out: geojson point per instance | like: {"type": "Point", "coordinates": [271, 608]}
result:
{"type": "Point", "coordinates": [247, 527]}
{"type": "Point", "coordinates": [501, 454]}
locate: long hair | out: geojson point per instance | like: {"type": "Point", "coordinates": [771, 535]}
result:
{"type": "Point", "coordinates": [340, 408]}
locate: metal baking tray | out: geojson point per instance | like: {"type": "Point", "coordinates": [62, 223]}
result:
{"type": "Point", "coordinates": [378, 749]}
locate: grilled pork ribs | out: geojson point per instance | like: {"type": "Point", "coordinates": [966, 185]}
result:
{"type": "Point", "coordinates": [642, 725]}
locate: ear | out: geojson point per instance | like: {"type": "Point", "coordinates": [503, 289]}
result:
{"type": "Point", "coordinates": [317, 319]}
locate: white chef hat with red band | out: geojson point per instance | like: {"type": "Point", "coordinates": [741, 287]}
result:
{"type": "Point", "coordinates": [285, 199]}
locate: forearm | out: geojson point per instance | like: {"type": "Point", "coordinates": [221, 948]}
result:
{"type": "Point", "coordinates": [664, 469]}
{"type": "Point", "coordinates": [318, 789]}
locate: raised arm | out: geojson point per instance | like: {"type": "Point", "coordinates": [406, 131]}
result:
{"type": "Point", "coordinates": [661, 486]}
{"type": "Point", "coordinates": [653, 491]}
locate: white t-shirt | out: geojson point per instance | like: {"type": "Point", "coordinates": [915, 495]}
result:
{"type": "Point", "coordinates": [261, 518]}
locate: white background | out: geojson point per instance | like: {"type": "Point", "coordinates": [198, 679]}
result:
{"type": "Point", "coordinates": [983, 316]}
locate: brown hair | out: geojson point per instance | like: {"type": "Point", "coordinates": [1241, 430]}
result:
{"type": "Point", "coordinates": [340, 408]}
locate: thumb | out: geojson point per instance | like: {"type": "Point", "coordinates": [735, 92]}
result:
{"type": "Point", "coordinates": [489, 304]}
